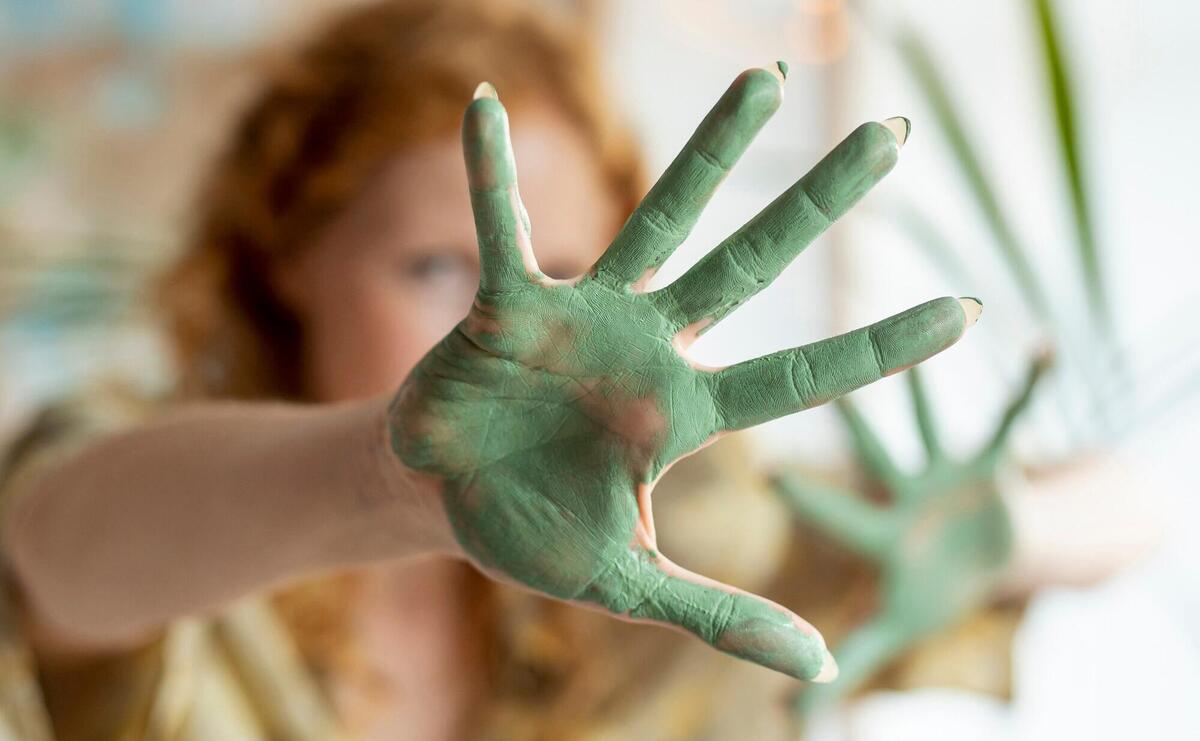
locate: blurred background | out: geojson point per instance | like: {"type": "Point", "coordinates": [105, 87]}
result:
{"type": "Point", "coordinates": [1050, 172]}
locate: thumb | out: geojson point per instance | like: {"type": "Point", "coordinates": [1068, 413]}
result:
{"type": "Point", "coordinates": [646, 586]}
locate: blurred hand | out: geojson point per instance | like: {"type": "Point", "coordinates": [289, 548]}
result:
{"type": "Point", "coordinates": [548, 414]}
{"type": "Point", "coordinates": [943, 541]}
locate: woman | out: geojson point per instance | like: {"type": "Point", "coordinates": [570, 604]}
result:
{"type": "Point", "coordinates": [335, 263]}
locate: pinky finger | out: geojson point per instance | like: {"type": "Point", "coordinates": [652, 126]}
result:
{"type": "Point", "coordinates": [505, 254]}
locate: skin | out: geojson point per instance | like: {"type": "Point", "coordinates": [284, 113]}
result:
{"type": "Point", "coordinates": [547, 415]}
{"type": "Point", "coordinates": [943, 541]}
{"type": "Point", "coordinates": [387, 280]}
{"type": "Point", "coordinates": [376, 290]}
{"type": "Point", "coordinates": [527, 441]}
{"type": "Point", "coordinates": [394, 273]}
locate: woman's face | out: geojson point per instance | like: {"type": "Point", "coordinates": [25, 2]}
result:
{"type": "Point", "coordinates": [398, 269]}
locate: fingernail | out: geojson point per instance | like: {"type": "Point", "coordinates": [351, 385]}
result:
{"type": "Point", "coordinates": [829, 670]}
{"type": "Point", "coordinates": [900, 127]}
{"type": "Point", "coordinates": [782, 68]}
{"type": "Point", "coordinates": [485, 90]}
{"type": "Point", "coordinates": [972, 307]}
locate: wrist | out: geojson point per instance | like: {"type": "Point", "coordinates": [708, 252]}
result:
{"type": "Point", "coordinates": [394, 511]}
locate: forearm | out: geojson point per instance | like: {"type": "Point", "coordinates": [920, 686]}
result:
{"type": "Point", "coordinates": [210, 503]}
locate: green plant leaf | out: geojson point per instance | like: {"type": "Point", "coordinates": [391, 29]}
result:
{"type": "Point", "coordinates": [1062, 96]}
{"type": "Point", "coordinates": [928, 237]}
{"type": "Point", "coordinates": [924, 70]}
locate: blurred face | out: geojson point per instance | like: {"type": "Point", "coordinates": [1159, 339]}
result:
{"type": "Point", "coordinates": [398, 269]}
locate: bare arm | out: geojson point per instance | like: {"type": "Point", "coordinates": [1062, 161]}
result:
{"type": "Point", "coordinates": [209, 503]}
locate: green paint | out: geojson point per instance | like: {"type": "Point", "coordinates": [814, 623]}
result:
{"type": "Point", "coordinates": [554, 404]}
{"type": "Point", "coordinates": [749, 260]}
{"type": "Point", "coordinates": [941, 541]}
{"type": "Point", "coordinates": [669, 211]}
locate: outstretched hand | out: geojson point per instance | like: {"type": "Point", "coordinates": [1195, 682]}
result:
{"type": "Point", "coordinates": [548, 414]}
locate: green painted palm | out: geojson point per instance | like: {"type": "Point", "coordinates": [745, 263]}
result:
{"type": "Point", "coordinates": [551, 410]}
{"type": "Point", "coordinates": [942, 540]}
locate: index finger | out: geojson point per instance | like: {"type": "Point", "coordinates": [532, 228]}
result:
{"type": "Point", "coordinates": [754, 391]}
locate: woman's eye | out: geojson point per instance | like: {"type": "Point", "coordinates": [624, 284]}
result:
{"type": "Point", "coordinates": [432, 266]}
{"type": "Point", "coordinates": [442, 274]}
